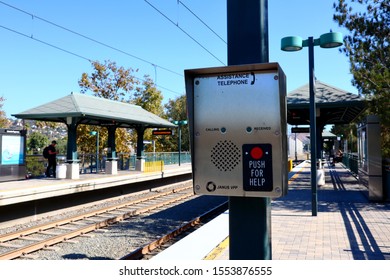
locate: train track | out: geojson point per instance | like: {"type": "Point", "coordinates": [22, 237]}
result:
{"type": "Point", "coordinates": [150, 249]}
{"type": "Point", "coordinates": [21, 243]}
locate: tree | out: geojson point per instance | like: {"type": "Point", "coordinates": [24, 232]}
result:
{"type": "Point", "coordinates": [368, 49]}
{"type": "Point", "coordinates": [150, 98]}
{"type": "Point", "coordinates": [111, 82]}
{"type": "Point", "coordinates": [36, 142]}
{"type": "Point", "coordinates": [87, 142]}
{"type": "Point", "coordinates": [176, 111]}
{"type": "Point", "coordinates": [4, 122]}
{"type": "Point", "coordinates": [346, 132]}
{"type": "Point", "coordinates": [117, 83]}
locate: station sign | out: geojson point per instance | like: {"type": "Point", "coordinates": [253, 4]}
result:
{"type": "Point", "coordinates": [162, 132]}
{"type": "Point", "coordinates": [300, 129]}
{"type": "Point", "coordinates": [238, 130]}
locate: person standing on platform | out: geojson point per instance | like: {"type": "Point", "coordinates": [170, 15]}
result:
{"type": "Point", "coordinates": [52, 159]}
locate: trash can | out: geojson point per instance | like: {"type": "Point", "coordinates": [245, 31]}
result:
{"type": "Point", "coordinates": [61, 171]}
{"type": "Point", "coordinates": [320, 177]}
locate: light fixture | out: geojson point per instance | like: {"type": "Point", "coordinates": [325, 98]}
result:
{"type": "Point", "coordinates": [180, 123]}
{"type": "Point", "coordinates": [327, 40]}
{"type": "Point", "coordinates": [295, 43]}
{"type": "Point", "coordinates": [291, 44]}
{"type": "Point", "coordinates": [331, 40]}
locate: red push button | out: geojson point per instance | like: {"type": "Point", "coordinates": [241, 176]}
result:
{"type": "Point", "coordinates": [257, 153]}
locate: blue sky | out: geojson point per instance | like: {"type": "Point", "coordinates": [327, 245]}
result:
{"type": "Point", "coordinates": [32, 72]}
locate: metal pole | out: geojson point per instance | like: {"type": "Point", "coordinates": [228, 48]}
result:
{"type": "Point", "coordinates": [313, 147]}
{"type": "Point", "coordinates": [97, 152]}
{"type": "Point", "coordinates": [296, 152]}
{"type": "Point", "coordinates": [249, 217]}
{"type": "Point", "coordinates": [179, 141]}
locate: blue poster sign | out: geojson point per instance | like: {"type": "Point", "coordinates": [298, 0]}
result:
{"type": "Point", "coordinates": [12, 149]}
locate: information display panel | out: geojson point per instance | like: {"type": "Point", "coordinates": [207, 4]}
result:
{"type": "Point", "coordinates": [12, 154]}
{"type": "Point", "coordinates": [12, 149]}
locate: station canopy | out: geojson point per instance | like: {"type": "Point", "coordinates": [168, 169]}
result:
{"type": "Point", "coordinates": [92, 110]}
{"type": "Point", "coordinates": [334, 106]}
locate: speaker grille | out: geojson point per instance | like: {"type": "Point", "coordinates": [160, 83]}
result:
{"type": "Point", "coordinates": [225, 155]}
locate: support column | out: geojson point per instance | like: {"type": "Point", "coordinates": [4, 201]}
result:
{"type": "Point", "coordinates": [71, 147]}
{"type": "Point", "coordinates": [249, 218]}
{"type": "Point", "coordinates": [371, 173]}
{"type": "Point", "coordinates": [111, 163]}
{"type": "Point", "coordinates": [140, 161]}
{"type": "Point", "coordinates": [72, 168]}
{"type": "Point", "coordinates": [111, 141]}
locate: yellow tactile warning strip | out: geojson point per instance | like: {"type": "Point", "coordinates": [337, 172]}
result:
{"type": "Point", "coordinates": [218, 250]}
{"type": "Point", "coordinates": [221, 247]}
{"type": "Point", "coordinates": [299, 171]}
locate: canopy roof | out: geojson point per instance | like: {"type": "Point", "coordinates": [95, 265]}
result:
{"type": "Point", "coordinates": [94, 111]}
{"type": "Point", "coordinates": [334, 106]}
{"type": "Point", "coordinates": [328, 134]}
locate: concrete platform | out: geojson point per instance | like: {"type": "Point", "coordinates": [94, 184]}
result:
{"type": "Point", "coordinates": [198, 244]}
{"type": "Point", "coordinates": [33, 189]}
{"type": "Point", "coordinates": [347, 226]}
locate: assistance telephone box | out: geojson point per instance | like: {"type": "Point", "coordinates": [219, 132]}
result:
{"type": "Point", "coordinates": [237, 118]}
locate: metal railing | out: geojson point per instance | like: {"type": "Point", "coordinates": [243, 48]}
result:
{"type": "Point", "coordinates": [350, 160]}
{"type": "Point", "coordinates": [36, 164]}
{"type": "Point", "coordinates": [169, 157]}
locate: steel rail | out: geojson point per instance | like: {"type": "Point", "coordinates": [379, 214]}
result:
{"type": "Point", "coordinates": [36, 229]}
{"type": "Point", "coordinates": [150, 247]}
{"type": "Point", "coordinates": [18, 252]}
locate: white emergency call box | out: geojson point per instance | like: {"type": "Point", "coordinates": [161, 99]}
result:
{"type": "Point", "coordinates": [237, 118]}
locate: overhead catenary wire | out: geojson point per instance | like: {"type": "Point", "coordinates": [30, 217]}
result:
{"type": "Point", "coordinates": [111, 47]}
{"type": "Point", "coordinates": [71, 53]}
{"type": "Point", "coordinates": [204, 23]}
{"type": "Point", "coordinates": [185, 32]}
{"type": "Point", "coordinates": [90, 39]}
{"type": "Point", "coordinates": [45, 43]}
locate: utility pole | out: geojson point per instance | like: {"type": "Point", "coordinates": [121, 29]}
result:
{"type": "Point", "coordinates": [249, 217]}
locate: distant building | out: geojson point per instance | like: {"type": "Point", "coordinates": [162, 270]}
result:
{"type": "Point", "coordinates": [301, 146]}
{"type": "Point", "coordinates": [298, 145]}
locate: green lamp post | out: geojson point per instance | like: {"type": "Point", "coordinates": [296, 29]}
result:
{"type": "Point", "coordinates": [96, 133]}
{"type": "Point", "coordinates": [180, 123]}
{"type": "Point", "coordinates": [295, 43]}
